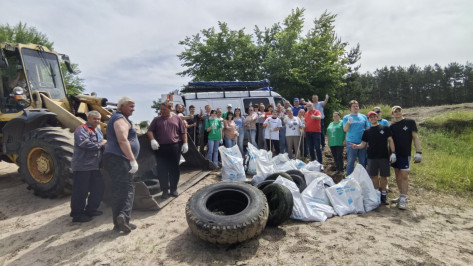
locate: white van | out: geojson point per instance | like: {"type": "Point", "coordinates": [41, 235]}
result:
{"type": "Point", "coordinates": [220, 96]}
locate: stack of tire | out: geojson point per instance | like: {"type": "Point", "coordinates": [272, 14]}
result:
{"type": "Point", "coordinates": [232, 212]}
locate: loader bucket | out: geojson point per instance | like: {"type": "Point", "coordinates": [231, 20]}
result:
{"type": "Point", "coordinates": [147, 190]}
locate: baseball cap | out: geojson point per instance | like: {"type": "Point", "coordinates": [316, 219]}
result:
{"type": "Point", "coordinates": [396, 107]}
{"type": "Point", "coordinates": [370, 113]}
{"type": "Point", "coordinates": [229, 105]}
{"type": "Point", "coordinates": [296, 99]}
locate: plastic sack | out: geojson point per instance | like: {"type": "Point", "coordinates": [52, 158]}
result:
{"type": "Point", "coordinates": [280, 159]}
{"type": "Point", "coordinates": [289, 165]}
{"type": "Point", "coordinates": [345, 197]}
{"type": "Point", "coordinates": [313, 166]}
{"type": "Point", "coordinates": [232, 164]}
{"type": "Point", "coordinates": [252, 154]}
{"type": "Point", "coordinates": [301, 211]}
{"type": "Point", "coordinates": [261, 160]}
{"type": "Point", "coordinates": [299, 164]}
{"type": "Point", "coordinates": [371, 196]}
{"type": "Point", "coordinates": [311, 176]}
{"type": "Point", "coordinates": [316, 198]}
{"type": "Point", "coordinates": [257, 179]}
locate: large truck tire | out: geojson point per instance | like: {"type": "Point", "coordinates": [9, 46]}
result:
{"type": "Point", "coordinates": [280, 203]}
{"type": "Point", "coordinates": [227, 213]}
{"type": "Point", "coordinates": [45, 161]}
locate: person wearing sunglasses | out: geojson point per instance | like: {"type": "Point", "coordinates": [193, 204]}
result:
{"type": "Point", "coordinates": [381, 120]}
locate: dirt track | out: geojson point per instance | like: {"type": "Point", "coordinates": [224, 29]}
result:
{"type": "Point", "coordinates": [435, 230]}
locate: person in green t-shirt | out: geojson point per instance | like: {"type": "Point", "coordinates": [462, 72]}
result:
{"type": "Point", "coordinates": [336, 140]}
{"type": "Point", "coordinates": [213, 125]}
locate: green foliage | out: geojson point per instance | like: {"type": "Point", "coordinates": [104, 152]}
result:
{"type": "Point", "coordinates": [447, 153]}
{"type": "Point", "coordinates": [144, 124]}
{"type": "Point", "coordinates": [21, 33]}
{"type": "Point", "coordinates": [74, 84]}
{"type": "Point", "coordinates": [411, 86]}
{"type": "Point", "coordinates": [156, 106]}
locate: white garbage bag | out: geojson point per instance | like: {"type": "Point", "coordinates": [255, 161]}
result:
{"type": "Point", "coordinates": [283, 167]}
{"type": "Point", "coordinates": [313, 166]}
{"type": "Point", "coordinates": [311, 176]}
{"type": "Point", "coordinates": [299, 163]}
{"type": "Point", "coordinates": [257, 179]}
{"type": "Point", "coordinates": [345, 197]}
{"type": "Point", "coordinates": [316, 198]}
{"type": "Point", "coordinates": [253, 154]}
{"type": "Point", "coordinates": [301, 210]}
{"type": "Point", "coordinates": [371, 196]}
{"type": "Point", "coordinates": [232, 164]}
{"type": "Point", "coordinates": [280, 159]}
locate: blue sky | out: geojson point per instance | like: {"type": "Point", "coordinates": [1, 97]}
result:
{"type": "Point", "coordinates": [130, 48]}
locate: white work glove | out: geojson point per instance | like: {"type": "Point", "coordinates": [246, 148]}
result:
{"type": "Point", "coordinates": [185, 148]}
{"type": "Point", "coordinates": [417, 158]}
{"type": "Point", "coordinates": [350, 120]}
{"type": "Point", "coordinates": [393, 158]}
{"type": "Point", "coordinates": [221, 141]}
{"type": "Point", "coordinates": [134, 167]}
{"type": "Point", "coordinates": [237, 134]}
{"type": "Point", "coordinates": [154, 145]}
{"type": "Point", "coordinates": [326, 96]}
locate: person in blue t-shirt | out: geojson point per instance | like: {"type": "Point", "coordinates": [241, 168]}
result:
{"type": "Point", "coordinates": [381, 120]}
{"type": "Point", "coordinates": [297, 107]}
{"type": "Point", "coordinates": [355, 124]}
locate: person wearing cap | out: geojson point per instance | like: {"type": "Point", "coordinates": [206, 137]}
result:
{"type": "Point", "coordinates": [319, 105]}
{"type": "Point", "coordinates": [381, 120]}
{"type": "Point", "coordinates": [354, 124]}
{"type": "Point", "coordinates": [296, 107]}
{"type": "Point", "coordinates": [378, 137]}
{"type": "Point", "coordinates": [404, 131]}
{"type": "Point", "coordinates": [229, 109]}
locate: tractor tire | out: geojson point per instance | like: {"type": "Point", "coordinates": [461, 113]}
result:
{"type": "Point", "coordinates": [227, 213]}
{"type": "Point", "coordinates": [45, 161]}
{"type": "Point", "coordinates": [280, 203]}
{"type": "Point", "coordinates": [275, 176]}
{"type": "Point", "coordinates": [300, 181]}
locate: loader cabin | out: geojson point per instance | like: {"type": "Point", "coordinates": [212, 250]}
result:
{"type": "Point", "coordinates": [219, 94]}
{"type": "Point", "coordinates": [26, 70]}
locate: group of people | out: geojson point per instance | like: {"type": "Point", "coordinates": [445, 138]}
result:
{"type": "Point", "coordinates": [377, 145]}
{"type": "Point", "coordinates": [370, 139]}
{"type": "Point", "coordinates": [118, 154]}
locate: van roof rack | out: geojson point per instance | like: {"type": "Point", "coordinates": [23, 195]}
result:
{"type": "Point", "coordinates": [209, 86]}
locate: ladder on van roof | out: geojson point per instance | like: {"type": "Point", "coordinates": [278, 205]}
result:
{"type": "Point", "coordinates": [223, 86]}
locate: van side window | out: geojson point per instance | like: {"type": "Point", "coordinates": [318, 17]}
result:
{"type": "Point", "coordinates": [278, 100]}
{"type": "Point", "coordinates": [254, 102]}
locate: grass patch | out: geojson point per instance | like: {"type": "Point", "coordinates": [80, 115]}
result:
{"type": "Point", "coordinates": [447, 163]}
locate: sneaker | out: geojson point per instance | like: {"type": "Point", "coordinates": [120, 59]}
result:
{"type": "Point", "coordinates": [122, 224]}
{"type": "Point", "coordinates": [132, 226]}
{"type": "Point", "coordinates": [402, 204]}
{"type": "Point", "coordinates": [174, 193]}
{"type": "Point", "coordinates": [384, 200]}
{"type": "Point", "coordinates": [94, 213]}
{"type": "Point", "coordinates": [396, 200]}
{"type": "Point", "coordinates": [81, 219]}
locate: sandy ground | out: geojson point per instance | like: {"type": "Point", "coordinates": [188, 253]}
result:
{"type": "Point", "coordinates": [435, 230]}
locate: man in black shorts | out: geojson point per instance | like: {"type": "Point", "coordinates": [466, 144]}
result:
{"type": "Point", "coordinates": [378, 137]}
{"type": "Point", "coordinates": [404, 132]}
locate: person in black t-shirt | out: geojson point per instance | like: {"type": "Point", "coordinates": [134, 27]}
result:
{"type": "Point", "coordinates": [378, 137]}
{"type": "Point", "coordinates": [192, 123]}
{"type": "Point", "coordinates": [404, 132]}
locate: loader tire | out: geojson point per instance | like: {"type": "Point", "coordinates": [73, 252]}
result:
{"type": "Point", "coordinates": [227, 213]}
{"type": "Point", "coordinates": [280, 203]}
{"type": "Point", "coordinates": [261, 185]}
{"type": "Point", "coordinates": [45, 161]}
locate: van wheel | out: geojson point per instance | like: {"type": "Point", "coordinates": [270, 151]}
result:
{"type": "Point", "coordinates": [227, 213]}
